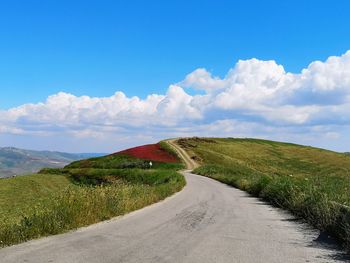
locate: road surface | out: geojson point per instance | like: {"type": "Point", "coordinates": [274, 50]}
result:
{"type": "Point", "coordinates": [189, 162]}
{"type": "Point", "coordinates": [206, 222]}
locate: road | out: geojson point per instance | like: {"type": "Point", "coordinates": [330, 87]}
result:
{"type": "Point", "coordinates": [206, 222]}
{"type": "Point", "coordinates": [189, 162]}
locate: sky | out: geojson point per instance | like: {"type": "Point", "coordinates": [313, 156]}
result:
{"type": "Point", "coordinates": [100, 76]}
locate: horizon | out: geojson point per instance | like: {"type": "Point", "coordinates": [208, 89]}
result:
{"type": "Point", "coordinates": [123, 149]}
{"type": "Point", "coordinates": [86, 77]}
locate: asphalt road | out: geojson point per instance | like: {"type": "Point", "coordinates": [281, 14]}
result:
{"type": "Point", "coordinates": [206, 222]}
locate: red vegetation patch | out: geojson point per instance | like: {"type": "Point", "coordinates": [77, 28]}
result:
{"type": "Point", "coordinates": [150, 152]}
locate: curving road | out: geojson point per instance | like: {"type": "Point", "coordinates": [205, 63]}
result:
{"type": "Point", "coordinates": [189, 162]}
{"type": "Point", "coordinates": [206, 222]}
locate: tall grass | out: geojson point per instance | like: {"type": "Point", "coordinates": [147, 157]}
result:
{"type": "Point", "coordinates": [312, 183]}
{"type": "Point", "coordinates": [80, 206]}
{"type": "Point", "coordinates": [165, 146]}
{"type": "Point", "coordinates": [82, 193]}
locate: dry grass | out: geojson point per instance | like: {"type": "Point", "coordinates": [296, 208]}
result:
{"type": "Point", "coordinates": [80, 206]}
{"type": "Point", "coordinates": [312, 183]}
{"type": "Point", "coordinates": [83, 193]}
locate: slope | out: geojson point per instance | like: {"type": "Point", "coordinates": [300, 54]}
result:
{"type": "Point", "coordinates": [84, 192]}
{"type": "Point", "coordinates": [312, 183]}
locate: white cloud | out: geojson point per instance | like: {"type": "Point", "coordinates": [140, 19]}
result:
{"type": "Point", "coordinates": [176, 106]}
{"type": "Point", "coordinates": [254, 98]}
{"type": "Point", "coordinates": [334, 74]}
{"type": "Point", "coordinates": [202, 79]}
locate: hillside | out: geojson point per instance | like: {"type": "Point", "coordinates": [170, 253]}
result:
{"type": "Point", "coordinates": [84, 192]}
{"type": "Point", "coordinates": [19, 195]}
{"type": "Point", "coordinates": [160, 154]}
{"type": "Point", "coordinates": [274, 158]}
{"type": "Point", "coordinates": [312, 183]}
{"type": "Point", "coordinates": [153, 152]}
{"type": "Point", "coordinates": [14, 161]}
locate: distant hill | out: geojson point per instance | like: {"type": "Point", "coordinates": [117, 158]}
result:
{"type": "Point", "coordinates": [347, 153]}
{"type": "Point", "coordinates": [14, 161]}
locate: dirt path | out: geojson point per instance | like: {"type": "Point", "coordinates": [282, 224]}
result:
{"type": "Point", "coordinates": [190, 163]}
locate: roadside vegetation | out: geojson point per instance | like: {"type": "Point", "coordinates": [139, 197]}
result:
{"type": "Point", "coordinates": [84, 192]}
{"type": "Point", "coordinates": [312, 183]}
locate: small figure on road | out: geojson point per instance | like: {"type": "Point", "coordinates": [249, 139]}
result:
{"type": "Point", "coordinates": [150, 164]}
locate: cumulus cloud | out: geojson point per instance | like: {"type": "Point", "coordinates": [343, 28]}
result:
{"type": "Point", "coordinates": [255, 98]}
{"type": "Point", "coordinates": [201, 79]}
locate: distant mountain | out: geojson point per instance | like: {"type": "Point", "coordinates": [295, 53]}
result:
{"type": "Point", "coordinates": [347, 153]}
{"type": "Point", "coordinates": [14, 161]}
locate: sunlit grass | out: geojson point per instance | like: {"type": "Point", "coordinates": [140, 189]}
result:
{"type": "Point", "coordinates": [19, 194]}
{"type": "Point", "coordinates": [79, 206]}
{"type": "Point", "coordinates": [86, 192]}
{"type": "Point", "coordinates": [312, 183]}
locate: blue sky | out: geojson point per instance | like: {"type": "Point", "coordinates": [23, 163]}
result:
{"type": "Point", "coordinates": [140, 47]}
{"type": "Point", "coordinates": [96, 48]}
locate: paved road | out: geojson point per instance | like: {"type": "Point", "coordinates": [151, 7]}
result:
{"type": "Point", "coordinates": [206, 222]}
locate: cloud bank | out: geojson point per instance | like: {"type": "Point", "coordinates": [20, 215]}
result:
{"type": "Point", "coordinates": [255, 99]}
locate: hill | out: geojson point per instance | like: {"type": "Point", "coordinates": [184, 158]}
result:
{"type": "Point", "coordinates": [84, 192]}
{"type": "Point", "coordinates": [15, 161]}
{"type": "Point", "coordinates": [153, 152]}
{"type": "Point", "coordinates": [312, 183]}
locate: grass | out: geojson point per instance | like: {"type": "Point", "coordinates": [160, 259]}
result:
{"type": "Point", "coordinates": [18, 194]}
{"type": "Point", "coordinates": [312, 183]}
{"type": "Point", "coordinates": [165, 146]}
{"type": "Point", "coordinates": [84, 192]}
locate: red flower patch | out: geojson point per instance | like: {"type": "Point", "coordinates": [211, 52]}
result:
{"type": "Point", "coordinates": [150, 152]}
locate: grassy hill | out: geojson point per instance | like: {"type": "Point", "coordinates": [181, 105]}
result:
{"type": "Point", "coordinates": [82, 193]}
{"type": "Point", "coordinates": [18, 195]}
{"type": "Point", "coordinates": [312, 183]}
{"type": "Point", "coordinates": [14, 161]}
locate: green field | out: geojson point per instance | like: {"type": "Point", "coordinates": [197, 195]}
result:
{"type": "Point", "coordinates": [85, 192]}
{"type": "Point", "coordinates": [312, 183]}
{"type": "Point", "coordinates": [19, 194]}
